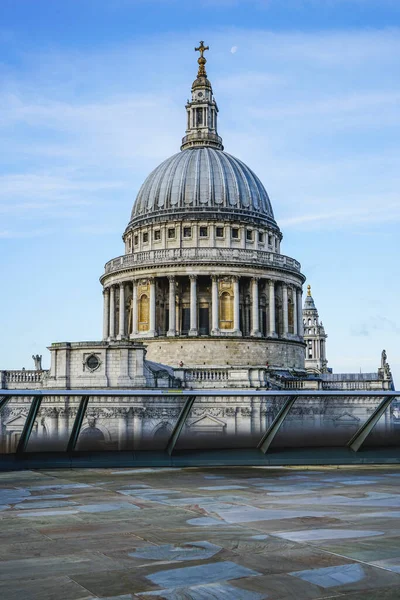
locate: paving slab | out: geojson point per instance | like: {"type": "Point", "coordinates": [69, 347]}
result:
{"type": "Point", "coordinates": [124, 534]}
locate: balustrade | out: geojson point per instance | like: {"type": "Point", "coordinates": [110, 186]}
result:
{"type": "Point", "coordinates": [225, 255]}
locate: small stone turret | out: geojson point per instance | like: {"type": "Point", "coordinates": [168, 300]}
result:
{"type": "Point", "coordinates": [314, 337]}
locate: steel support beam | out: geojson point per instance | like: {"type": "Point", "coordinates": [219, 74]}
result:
{"type": "Point", "coordinates": [29, 423]}
{"type": "Point", "coordinates": [76, 428]}
{"type": "Point", "coordinates": [363, 432]}
{"type": "Point", "coordinates": [179, 424]}
{"type": "Point", "coordinates": [269, 435]}
{"type": "Point", "coordinates": [4, 400]}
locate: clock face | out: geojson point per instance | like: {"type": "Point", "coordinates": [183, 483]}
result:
{"type": "Point", "coordinates": [200, 95]}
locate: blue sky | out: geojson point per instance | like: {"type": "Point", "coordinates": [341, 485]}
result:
{"type": "Point", "coordinates": [92, 98]}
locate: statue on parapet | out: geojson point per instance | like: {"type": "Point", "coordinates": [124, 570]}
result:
{"type": "Point", "coordinates": [383, 359]}
{"type": "Point", "coordinates": [37, 359]}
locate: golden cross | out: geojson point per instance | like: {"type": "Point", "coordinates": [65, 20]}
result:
{"type": "Point", "coordinates": [202, 48]}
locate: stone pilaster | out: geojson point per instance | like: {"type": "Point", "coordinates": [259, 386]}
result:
{"type": "Point", "coordinates": [215, 305]}
{"type": "Point", "coordinates": [255, 314]}
{"type": "Point", "coordinates": [112, 312]}
{"type": "Point", "coordinates": [236, 309]}
{"type": "Point", "coordinates": [121, 331]}
{"type": "Point", "coordinates": [152, 323]}
{"type": "Point", "coordinates": [106, 313]}
{"type": "Point", "coordinates": [134, 309]}
{"type": "Point", "coordinates": [285, 310]}
{"type": "Point", "coordinates": [172, 306]}
{"type": "Point", "coordinates": [271, 326]}
{"type": "Point", "coordinates": [295, 311]}
{"type": "Point", "coordinates": [193, 305]}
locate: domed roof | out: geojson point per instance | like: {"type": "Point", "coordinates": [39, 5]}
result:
{"type": "Point", "coordinates": [202, 180]}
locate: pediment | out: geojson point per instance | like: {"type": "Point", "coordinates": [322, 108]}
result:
{"type": "Point", "coordinates": [346, 417]}
{"type": "Point", "coordinates": [207, 421]}
{"type": "Point", "coordinates": [19, 421]}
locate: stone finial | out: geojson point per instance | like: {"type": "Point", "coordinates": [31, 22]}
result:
{"type": "Point", "coordinates": [309, 290]}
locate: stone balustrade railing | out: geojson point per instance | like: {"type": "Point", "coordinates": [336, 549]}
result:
{"type": "Point", "coordinates": [202, 255]}
{"type": "Point", "coordinates": [206, 375]}
{"type": "Point", "coordinates": [346, 385]}
{"type": "Point", "coordinates": [14, 378]}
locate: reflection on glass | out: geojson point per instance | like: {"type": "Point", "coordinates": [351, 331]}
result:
{"type": "Point", "coordinates": [12, 420]}
{"type": "Point", "coordinates": [324, 421]}
{"type": "Point", "coordinates": [387, 430]}
{"type": "Point", "coordinates": [147, 422]}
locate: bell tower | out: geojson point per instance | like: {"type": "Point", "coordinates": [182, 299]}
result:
{"type": "Point", "coordinates": [202, 110]}
{"type": "Point", "coordinates": [314, 337]}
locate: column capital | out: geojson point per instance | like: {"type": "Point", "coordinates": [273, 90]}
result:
{"type": "Point", "coordinates": [106, 290]}
{"type": "Point", "coordinates": [256, 278]}
{"type": "Point", "coordinates": [271, 282]}
{"type": "Point", "coordinates": [215, 278]}
{"type": "Point", "coordinates": [235, 278]}
{"type": "Point", "coordinates": [171, 278]}
{"type": "Point", "coordinates": [193, 277]}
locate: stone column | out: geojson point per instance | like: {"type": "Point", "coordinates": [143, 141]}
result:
{"type": "Point", "coordinates": [137, 413]}
{"type": "Point", "coordinates": [121, 332]}
{"type": "Point", "coordinates": [300, 328]}
{"type": "Point", "coordinates": [236, 309]}
{"type": "Point", "coordinates": [134, 309]}
{"type": "Point", "coordinates": [285, 309]}
{"type": "Point", "coordinates": [152, 317]}
{"type": "Point", "coordinates": [294, 300]}
{"type": "Point", "coordinates": [112, 312]}
{"type": "Point", "coordinates": [122, 428]}
{"type": "Point", "coordinates": [271, 327]}
{"type": "Point", "coordinates": [63, 425]}
{"type": "Point", "coordinates": [172, 307]}
{"type": "Point", "coordinates": [106, 313]}
{"type": "Point", "coordinates": [255, 314]}
{"type": "Point", "coordinates": [215, 305]}
{"type": "Point", "coordinates": [193, 305]}
{"type": "Point", "coordinates": [255, 415]}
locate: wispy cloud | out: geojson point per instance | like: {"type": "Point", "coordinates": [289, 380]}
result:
{"type": "Point", "coordinates": [375, 324]}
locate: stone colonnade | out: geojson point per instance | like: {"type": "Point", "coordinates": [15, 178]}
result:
{"type": "Point", "coordinates": [138, 318]}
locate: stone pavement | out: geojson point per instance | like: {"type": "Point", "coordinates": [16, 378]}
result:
{"type": "Point", "coordinates": [219, 533]}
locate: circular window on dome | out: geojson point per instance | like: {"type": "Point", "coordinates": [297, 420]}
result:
{"type": "Point", "coordinates": [200, 94]}
{"type": "Point", "coordinates": [92, 362]}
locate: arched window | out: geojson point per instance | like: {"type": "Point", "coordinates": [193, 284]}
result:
{"type": "Point", "coordinates": [226, 311]}
{"type": "Point", "coordinates": [143, 313]}
{"type": "Point", "coordinates": [309, 322]}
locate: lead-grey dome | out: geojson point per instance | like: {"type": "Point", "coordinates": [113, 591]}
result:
{"type": "Point", "coordinates": [203, 180]}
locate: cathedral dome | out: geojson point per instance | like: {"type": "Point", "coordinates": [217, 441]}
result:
{"type": "Point", "coordinates": [203, 179]}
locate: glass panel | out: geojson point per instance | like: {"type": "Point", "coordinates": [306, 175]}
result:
{"type": "Point", "coordinates": [12, 420]}
{"type": "Point", "coordinates": [53, 425]}
{"type": "Point", "coordinates": [139, 423]}
{"type": "Point", "coordinates": [222, 422]}
{"type": "Point", "coordinates": [387, 430]}
{"type": "Point", "coordinates": [323, 421]}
